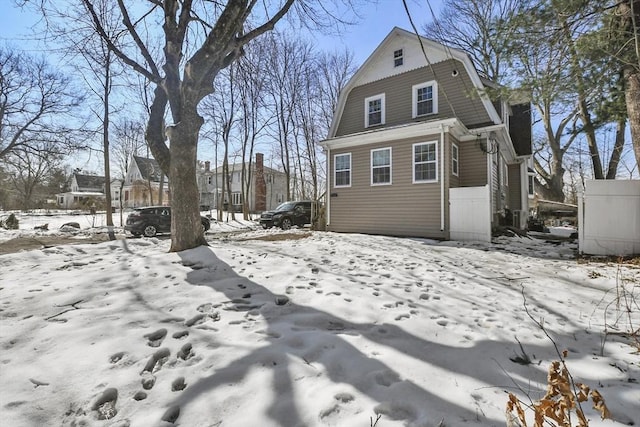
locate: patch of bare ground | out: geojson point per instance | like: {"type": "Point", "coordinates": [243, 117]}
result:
{"type": "Point", "coordinates": [30, 243]}
{"type": "Point", "coordinates": [279, 237]}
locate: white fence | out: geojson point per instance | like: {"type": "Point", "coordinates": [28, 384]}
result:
{"type": "Point", "coordinates": [470, 213]}
{"type": "Point", "coordinates": [609, 218]}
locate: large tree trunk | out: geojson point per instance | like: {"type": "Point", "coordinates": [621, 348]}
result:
{"type": "Point", "coordinates": [629, 13]}
{"type": "Point", "coordinates": [186, 231]}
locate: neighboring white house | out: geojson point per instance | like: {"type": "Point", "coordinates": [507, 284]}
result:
{"type": "Point", "coordinates": [86, 190]}
{"type": "Point", "coordinates": [267, 188]}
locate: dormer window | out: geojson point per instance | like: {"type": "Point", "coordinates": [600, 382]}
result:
{"type": "Point", "coordinates": [425, 99]}
{"type": "Point", "coordinates": [398, 57]}
{"type": "Point", "coordinates": [374, 110]}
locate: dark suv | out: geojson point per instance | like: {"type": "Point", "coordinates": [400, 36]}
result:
{"type": "Point", "coordinates": [287, 215]}
{"type": "Point", "coordinates": [152, 220]}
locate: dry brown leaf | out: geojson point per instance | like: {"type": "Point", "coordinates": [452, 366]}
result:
{"type": "Point", "coordinates": [599, 405]}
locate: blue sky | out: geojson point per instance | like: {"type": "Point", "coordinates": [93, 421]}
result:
{"type": "Point", "coordinates": [376, 22]}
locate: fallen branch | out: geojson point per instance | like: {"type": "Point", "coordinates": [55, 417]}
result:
{"type": "Point", "coordinates": [72, 305]}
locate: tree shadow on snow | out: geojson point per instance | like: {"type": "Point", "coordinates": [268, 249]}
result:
{"type": "Point", "coordinates": [301, 339]}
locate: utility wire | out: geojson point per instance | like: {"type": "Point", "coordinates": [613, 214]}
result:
{"type": "Point", "coordinates": [449, 53]}
{"type": "Point", "coordinates": [424, 52]}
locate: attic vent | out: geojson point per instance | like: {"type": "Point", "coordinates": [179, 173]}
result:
{"type": "Point", "coordinates": [398, 57]}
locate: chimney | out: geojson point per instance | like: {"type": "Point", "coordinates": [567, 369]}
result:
{"type": "Point", "coordinates": [261, 184]}
{"type": "Point", "coordinates": [207, 166]}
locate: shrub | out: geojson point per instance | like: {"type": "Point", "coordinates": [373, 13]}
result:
{"type": "Point", "coordinates": [11, 223]}
{"type": "Point", "coordinates": [563, 398]}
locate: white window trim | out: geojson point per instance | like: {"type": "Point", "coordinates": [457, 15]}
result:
{"type": "Point", "coordinates": [455, 171]}
{"type": "Point", "coordinates": [335, 170]}
{"type": "Point", "coordinates": [531, 177]}
{"type": "Point", "coordinates": [382, 110]}
{"type": "Point", "coordinates": [401, 57]}
{"type": "Point", "coordinates": [390, 166]}
{"type": "Point", "coordinates": [414, 96]}
{"type": "Point", "coordinates": [413, 163]}
{"type": "Point", "coordinates": [505, 172]}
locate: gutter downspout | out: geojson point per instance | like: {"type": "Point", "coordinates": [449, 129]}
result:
{"type": "Point", "coordinates": [328, 191]}
{"type": "Point", "coordinates": [524, 195]}
{"type": "Point", "coordinates": [490, 178]}
{"type": "Point", "coordinates": [442, 156]}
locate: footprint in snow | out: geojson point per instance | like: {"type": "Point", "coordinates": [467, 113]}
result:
{"type": "Point", "coordinates": [180, 334]}
{"type": "Point", "coordinates": [105, 405]}
{"type": "Point", "coordinates": [178, 384]}
{"type": "Point", "coordinates": [171, 415]}
{"type": "Point", "coordinates": [154, 339]}
{"type": "Point", "coordinates": [156, 360]}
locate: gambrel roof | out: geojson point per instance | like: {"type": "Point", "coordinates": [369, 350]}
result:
{"type": "Point", "coordinates": [377, 67]}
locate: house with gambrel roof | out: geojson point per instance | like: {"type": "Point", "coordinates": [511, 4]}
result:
{"type": "Point", "coordinates": [418, 148]}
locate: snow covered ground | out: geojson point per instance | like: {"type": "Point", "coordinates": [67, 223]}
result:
{"type": "Point", "coordinates": [267, 328]}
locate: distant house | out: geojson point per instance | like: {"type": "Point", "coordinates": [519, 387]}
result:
{"type": "Point", "coordinates": [267, 188]}
{"type": "Point", "coordinates": [86, 190]}
{"type": "Point", "coordinates": [417, 147]}
{"type": "Point", "coordinates": [142, 184]}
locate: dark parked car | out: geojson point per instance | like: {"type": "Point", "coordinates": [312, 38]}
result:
{"type": "Point", "coordinates": [151, 220]}
{"type": "Point", "coordinates": [287, 215]}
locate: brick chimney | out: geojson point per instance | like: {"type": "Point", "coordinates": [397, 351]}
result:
{"type": "Point", "coordinates": [261, 184]}
{"type": "Point", "coordinates": [207, 166]}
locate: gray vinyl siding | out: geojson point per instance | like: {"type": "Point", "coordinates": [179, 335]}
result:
{"type": "Point", "coordinates": [515, 188]}
{"type": "Point", "coordinates": [473, 164]}
{"type": "Point", "coordinates": [400, 209]}
{"type": "Point", "coordinates": [458, 90]}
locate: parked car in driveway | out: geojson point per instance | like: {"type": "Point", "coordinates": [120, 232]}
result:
{"type": "Point", "coordinates": [287, 215]}
{"type": "Point", "coordinates": [152, 220]}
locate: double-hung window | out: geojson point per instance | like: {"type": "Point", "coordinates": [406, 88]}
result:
{"type": "Point", "coordinates": [425, 99]}
{"type": "Point", "coordinates": [454, 159]}
{"type": "Point", "coordinates": [398, 57]}
{"type": "Point", "coordinates": [425, 162]}
{"type": "Point", "coordinates": [374, 110]}
{"type": "Point", "coordinates": [342, 170]}
{"type": "Point", "coordinates": [381, 166]}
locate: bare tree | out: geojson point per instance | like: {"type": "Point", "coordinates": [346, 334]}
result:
{"type": "Point", "coordinates": [97, 66]}
{"type": "Point", "coordinates": [36, 103]}
{"type": "Point", "coordinates": [254, 116]}
{"type": "Point", "coordinates": [333, 72]}
{"type": "Point", "coordinates": [288, 60]}
{"type": "Point", "coordinates": [129, 142]}
{"type": "Point", "coordinates": [481, 28]}
{"type": "Point", "coordinates": [29, 169]}
{"type": "Point", "coordinates": [185, 75]}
